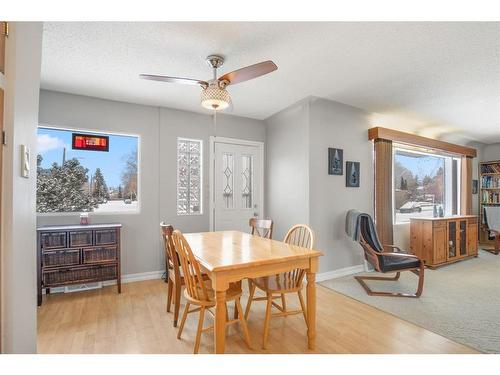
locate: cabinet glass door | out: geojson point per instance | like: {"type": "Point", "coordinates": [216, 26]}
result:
{"type": "Point", "coordinates": [462, 238]}
{"type": "Point", "coordinates": [452, 239]}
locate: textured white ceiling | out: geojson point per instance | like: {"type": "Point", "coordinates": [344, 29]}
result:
{"type": "Point", "coordinates": [438, 79]}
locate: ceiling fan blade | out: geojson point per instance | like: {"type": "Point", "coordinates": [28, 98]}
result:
{"type": "Point", "coordinates": [249, 72]}
{"type": "Point", "coordinates": [184, 81]}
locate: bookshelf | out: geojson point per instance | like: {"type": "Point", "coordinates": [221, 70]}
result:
{"type": "Point", "coordinates": [489, 193]}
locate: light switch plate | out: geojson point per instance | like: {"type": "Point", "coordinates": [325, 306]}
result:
{"type": "Point", "coordinates": [25, 161]}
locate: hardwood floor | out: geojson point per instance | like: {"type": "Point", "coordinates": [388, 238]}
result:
{"type": "Point", "coordinates": [136, 321]}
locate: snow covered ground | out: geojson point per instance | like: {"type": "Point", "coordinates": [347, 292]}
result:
{"type": "Point", "coordinates": [116, 206]}
{"type": "Point", "coordinates": [405, 217]}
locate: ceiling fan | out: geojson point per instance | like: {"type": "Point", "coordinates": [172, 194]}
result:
{"type": "Point", "coordinates": [214, 95]}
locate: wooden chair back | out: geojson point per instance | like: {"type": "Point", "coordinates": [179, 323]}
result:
{"type": "Point", "coordinates": [299, 235]}
{"type": "Point", "coordinates": [171, 257]}
{"type": "Point", "coordinates": [261, 228]}
{"type": "Point", "coordinates": [193, 279]}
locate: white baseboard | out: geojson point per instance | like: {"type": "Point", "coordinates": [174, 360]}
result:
{"type": "Point", "coordinates": [133, 277]}
{"type": "Point", "coordinates": [130, 278]}
{"type": "Point", "coordinates": [153, 275]}
{"type": "Point", "coordinates": [340, 273]}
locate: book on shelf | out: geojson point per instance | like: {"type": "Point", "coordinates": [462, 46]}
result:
{"type": "Point", "coordinates": [490, 168]}
{"type": "Point", "coordinates": [490, 197]}
{"type": "Point", "coordinates": [490, 182]}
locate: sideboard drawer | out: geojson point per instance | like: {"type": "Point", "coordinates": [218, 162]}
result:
{"type": "Point", "coordinates": [100, 254]}
{"type": "Point", "coordinates": [439, 224]}
{"type": "Point", "coordinates": [106, 237]}
{"type": "Point", "coordinates": [80, 238]}
{"type": "Point", "coordinates": [58, 258]}
{"type": "Point", "coordinates": [53, 240]}
{"type": "Point", "coordinates": [79, 275]}
{"type": "Point", "coordinates": [472, 221]}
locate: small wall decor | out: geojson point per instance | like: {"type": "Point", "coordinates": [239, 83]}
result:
{"type": "Point", "coordinates": [474, 186]}
{"type": "Point", "coordinates": [335, 161]}
{"type": "Point", "coordinates": [352, 174]}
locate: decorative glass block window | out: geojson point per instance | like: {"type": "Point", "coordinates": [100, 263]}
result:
{"type": "Point", "coordinates": [247, 181]}
{"type": "Point", "coordinates": [227, 179]}
{"type": "Point", "coordinates": [189, 176]}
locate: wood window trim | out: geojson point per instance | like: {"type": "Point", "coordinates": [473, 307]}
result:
{"type": "Point", "coordinates": [382, 137]}
{"type": "Point", "coordinates": [466, 186]}
{"type": "Point", "coordinates": [383, 197]}
{"type": "Point", "coordinates": [417, 140]}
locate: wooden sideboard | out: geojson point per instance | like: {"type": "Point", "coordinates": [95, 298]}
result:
{"type": "Point", "coordinates": [77, 254]}
{"type": "Point", "coordinates": [444, 240]}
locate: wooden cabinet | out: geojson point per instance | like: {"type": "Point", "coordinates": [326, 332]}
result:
{"type": "Point", "coordinates": [77, 254]}
{"type": "Point", "coordinates": [444, 240]}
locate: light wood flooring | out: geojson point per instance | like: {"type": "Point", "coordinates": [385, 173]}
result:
{"type": "Point", "coordinates": [136, 321]}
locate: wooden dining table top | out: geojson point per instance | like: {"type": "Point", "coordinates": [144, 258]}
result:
{"type": "Point", "coordinates": [229, 250]}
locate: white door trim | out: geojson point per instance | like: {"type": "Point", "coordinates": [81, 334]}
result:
{"type": "Point", "coordinates": [234, 141]}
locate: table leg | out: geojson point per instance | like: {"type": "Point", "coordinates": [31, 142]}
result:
{"type": "Point", "coordinates": [311, 309]}
{"type": "Point", "coordinates": [220, 322]}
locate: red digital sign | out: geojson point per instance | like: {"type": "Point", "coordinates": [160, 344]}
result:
{"type": "Point", "coordinates": [90, 142]}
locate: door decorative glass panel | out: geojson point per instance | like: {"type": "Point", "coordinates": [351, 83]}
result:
{"type": "Point", "coordinates": [236, 181]}
{"type": "Point", "coordinates": [247, 181]}
{"type": "Point", "coordinates": [227, 178]}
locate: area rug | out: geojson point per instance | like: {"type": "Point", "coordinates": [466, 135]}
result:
{"type": "Point", "coordinates": [460, 301]}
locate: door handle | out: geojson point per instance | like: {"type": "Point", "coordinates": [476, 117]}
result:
{"type": "Point", "coordinates": [256, 214]}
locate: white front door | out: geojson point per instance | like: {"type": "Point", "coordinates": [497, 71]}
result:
{"type": "Point", "coordinates": [237, 181]}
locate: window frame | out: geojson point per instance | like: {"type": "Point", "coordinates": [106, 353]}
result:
{"type": "Point", "coordinates": [135, 211]}
{"type": "Point", "coordinates": [447, 176]}
{"type": "Point", "coordinates": [177, 176]}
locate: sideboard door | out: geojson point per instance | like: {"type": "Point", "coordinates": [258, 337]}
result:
{"type": "Point", "coordinates": [440, 244]}
{"type": "Point", "coordinates": [452, 240]}
{"type": "Point", "coordinates": [472, 238]}
{"type": "Point", "coordinates": [462, 241]}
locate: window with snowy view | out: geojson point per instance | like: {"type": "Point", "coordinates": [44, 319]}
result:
{"type": "Point", "coordinates": [71, 180]}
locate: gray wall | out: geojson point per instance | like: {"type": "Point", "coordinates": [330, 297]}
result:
{"type": "Point", "coordinates": [158, 129]}
{"type": "Point", "coordinates": [475, 166]}
{"type": "Point", "coordinates": [287, 168]}
{"type": "Point", "coordinates": [491, 152]}
{"type": "Point", "coordinates": [337, 125]}
{"type": "Point", "coordinates": [173, 124]}
{"type": "Point", "coordinates": [140, 238]}
{"type": "Point", "coordinates": [299, 189]}
{"type": "Point", "coordinates": [23, 61]}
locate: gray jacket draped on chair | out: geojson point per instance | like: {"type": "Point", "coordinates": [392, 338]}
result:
{"type": "Point", "coordinates": [353, 228]}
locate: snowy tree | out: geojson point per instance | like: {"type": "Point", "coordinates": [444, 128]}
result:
{"type": "Point", "coordinates": [100, 190]}
{"type": "Point", "coordinates": [61, 188]}
{"type": "Point", "coordinates": [120, 192]}
{"type": "Point", "coordinates": [129, 175]}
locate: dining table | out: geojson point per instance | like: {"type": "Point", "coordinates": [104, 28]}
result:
{"type": "Point", "coordinates": [231, 256]}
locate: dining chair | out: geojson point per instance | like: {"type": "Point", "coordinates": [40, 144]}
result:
{"type": "Point", "coordinates": [277, 286]}
{"type": "Point", "coordinates": [261, 227]}
{"type": "Point", "coordinates": [199, 292]}
{"type": "Point", "coordinates": [174, 277]}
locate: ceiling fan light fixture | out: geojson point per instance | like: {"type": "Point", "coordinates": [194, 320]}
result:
{"type": "Point", "coordinates": [215, 98]}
